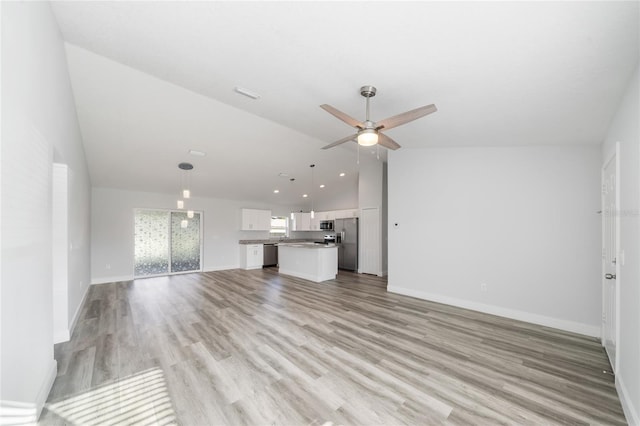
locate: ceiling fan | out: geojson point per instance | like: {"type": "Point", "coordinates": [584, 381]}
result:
{"type": "Point", "coordinates": [369, 132]}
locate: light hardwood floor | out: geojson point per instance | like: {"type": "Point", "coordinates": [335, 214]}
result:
{"type": "Point", "coordinates": [252, 347]}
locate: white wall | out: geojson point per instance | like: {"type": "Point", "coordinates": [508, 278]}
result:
{"type": "Point", "coordinates": [112, 230]}
{"type": "Point", "coordinates": [38, 116]}
{"type": "Point", "coordinates": [624, 129]}
{"type": "Point", "coordinates": [60, 252]}
{"type": "Point", "coordinates": [344, 198]}
{"type": "Point", "coordinates": [522, 220]}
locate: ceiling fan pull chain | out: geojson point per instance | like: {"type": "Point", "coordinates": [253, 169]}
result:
{"type": "Point", "coordinates": [378, 151]}
{"type": "Point", "coordinates": [358, 161]}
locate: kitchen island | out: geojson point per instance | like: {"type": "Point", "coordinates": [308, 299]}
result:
{"type": "Point", "coordinates": [314, 262]}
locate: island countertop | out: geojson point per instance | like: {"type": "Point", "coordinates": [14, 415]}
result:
{"type": "Point", "coordinates": [276, 241]}
{"type": "Point", "coordinates": [307, 245]}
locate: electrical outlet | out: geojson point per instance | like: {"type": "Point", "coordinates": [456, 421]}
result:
{"type": "Point", "coordinates": [107, 266]}
{"type": "Point", "coordinates": [483, 287]}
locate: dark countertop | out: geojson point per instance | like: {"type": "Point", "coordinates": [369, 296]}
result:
{"type": "Point", "coordinates": [277, 241]}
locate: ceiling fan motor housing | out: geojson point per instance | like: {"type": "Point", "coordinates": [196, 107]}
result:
{"type": "Point", "coordinates": [368, 91]}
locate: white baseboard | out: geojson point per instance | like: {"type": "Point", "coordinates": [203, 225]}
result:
{"type": "Point", "coordinates": [106, 280]}
{"type": "Point", "coordinates": [18, 413]}
{"type": "Point", "coordinates": [574, 327]}
{"type": "Point", "coordinates": [61, 336]}
{"type": "Point", "coordinates": [630, 411]}
{"type": "Point", "coordinates": [46, 386]}
{"type": "Point", "coordinates": [219, 268]}
{"type": "Point", "coordinates": [65, 335]}
{"type": "Point", "coordinates": [28, 413]}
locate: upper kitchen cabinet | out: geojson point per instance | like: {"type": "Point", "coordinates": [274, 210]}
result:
{"type": "Point", "coordinates": [315, 223]}
{"type": "Point", "coordinates": [330, 215]}
{"type": "Point", "coordinates": [346, 214]}
{"type": "Point", "coordinates": [301, 222]}
{"type": "Point", "coordinates": [256, 220]}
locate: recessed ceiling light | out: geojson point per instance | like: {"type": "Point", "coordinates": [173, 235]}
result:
{"type": "Point", "coordinates": [246, 92]}
{"type": "Point", "coordinates": [304, 195]}
{"type": "Point", "coordinates": [197, 153]}
{"type": "Point", "coordinates": [342, 174]}
{"type": "Point", "coordinates": [275, 191]}
{"type": "Point", "coordinates": [322, 186]}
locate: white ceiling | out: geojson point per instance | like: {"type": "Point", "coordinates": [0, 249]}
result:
{"type": "Point", "coordinates": [501, 73]}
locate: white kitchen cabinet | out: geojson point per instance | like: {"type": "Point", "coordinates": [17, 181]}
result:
{"type": "Point", "coordinates": [256, 220]}
{"type": "Point", "coordinates": [301, 222]}
{"type": "Point", "coordinates": [315, 222]}
{"type": "Point", "coordinates": [251, 256]}
{"type": "Point", "coordinates": [322, 216]}
{"type": "Point", "coordinates": [346, 214]}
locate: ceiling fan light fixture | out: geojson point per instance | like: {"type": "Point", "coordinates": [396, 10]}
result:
{"type": "Point", "coordinates": [367, 137]}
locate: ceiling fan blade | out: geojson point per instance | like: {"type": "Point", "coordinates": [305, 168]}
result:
{"type": "Point", "coordinates": [387, 142]}
{"type": "Point", "coordinates": [341, 141]}
{"type": "Point", "coordinates": [342, 116]}
{"type": "Point", "coordinates": [405, 117]}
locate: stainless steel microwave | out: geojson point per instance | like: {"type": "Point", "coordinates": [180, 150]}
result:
{"type": "Point", "coordinates": [326, 225]}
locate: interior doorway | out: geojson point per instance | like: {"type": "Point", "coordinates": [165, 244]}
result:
{"type": "Point", "coordinates": [610, 234]}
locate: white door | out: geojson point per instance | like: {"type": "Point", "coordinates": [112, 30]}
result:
{"type": "Point", "coordinates": [370, 242]}
{"type": "Point", "coordinates": [609, 260]}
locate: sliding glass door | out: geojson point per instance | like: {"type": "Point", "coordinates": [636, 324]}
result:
{"type": "Point", "coordinates": [166, 242]}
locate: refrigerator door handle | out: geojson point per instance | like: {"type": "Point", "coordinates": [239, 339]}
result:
{"type": "Point", "coordinates": [342, 236]}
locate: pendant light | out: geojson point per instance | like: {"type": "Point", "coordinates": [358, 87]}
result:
{"type": "Point", "coordinates": [186, 192]}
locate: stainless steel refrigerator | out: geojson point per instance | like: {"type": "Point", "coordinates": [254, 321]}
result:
{"type": "Point", "coordinates": [347, 242]}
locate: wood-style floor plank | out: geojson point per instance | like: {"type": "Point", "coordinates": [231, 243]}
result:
{"type": "Point", "coordinates": [256, 348]}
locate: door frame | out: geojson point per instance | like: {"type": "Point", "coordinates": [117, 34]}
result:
{"type": "Point", "coordinates": [614, 156]}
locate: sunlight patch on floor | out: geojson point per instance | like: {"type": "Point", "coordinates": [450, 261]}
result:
{"type": "Point", "coordinates": [142, 398]}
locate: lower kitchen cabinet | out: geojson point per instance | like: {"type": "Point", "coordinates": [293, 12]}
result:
{"type": "Point", "coordinates": [251, 256]}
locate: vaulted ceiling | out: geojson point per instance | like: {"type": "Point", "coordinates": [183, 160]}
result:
{"type": "Point", "coordinates": [153, 80]}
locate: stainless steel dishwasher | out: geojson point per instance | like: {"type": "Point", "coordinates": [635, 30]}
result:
{"type": "Point", "coordinates": [270, 255]}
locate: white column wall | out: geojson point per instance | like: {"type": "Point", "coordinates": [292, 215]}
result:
{"type": "Point", "coordinates": [38, 116]}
